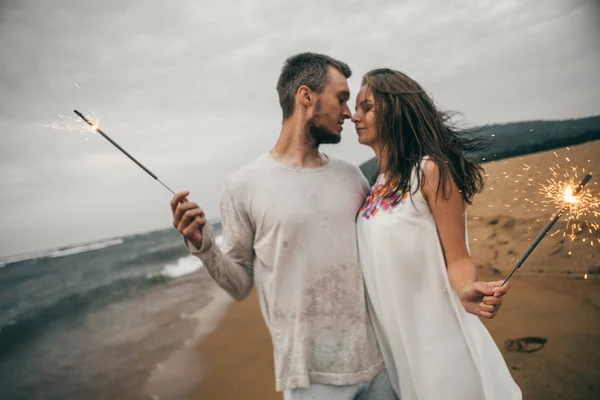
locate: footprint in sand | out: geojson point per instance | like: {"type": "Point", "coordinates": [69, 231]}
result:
{"type": "Point", "coordinates": [528, 344]}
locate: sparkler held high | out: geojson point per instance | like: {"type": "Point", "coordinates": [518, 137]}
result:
{"type": "Point", "coordinates": [570, 197]}
{"type": "Point", "coordinates": [97, 129]}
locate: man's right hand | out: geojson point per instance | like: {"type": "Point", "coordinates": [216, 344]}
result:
{"type": "Point", "coordinates": [188, 218]}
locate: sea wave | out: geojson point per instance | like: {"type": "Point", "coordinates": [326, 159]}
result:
{"type": "Point", "coordinates": [183, 266]}
{"type": "Point", "coordinates": [220, 242]}
{"type": "Point", "coordinates": [22, 327]}
{"type": "Point", "coordinates": [118, 279]}
{"type": "Point", "coordinates": [60, 252]}
{"type": "Point", "coordinates": [83, 248]}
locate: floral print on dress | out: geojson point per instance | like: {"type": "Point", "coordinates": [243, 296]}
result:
{"type": "Point", "coordinates": [381, 199]}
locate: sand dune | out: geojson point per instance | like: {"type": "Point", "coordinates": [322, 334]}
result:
{"type": "Point", "coordinates": [503, 221]}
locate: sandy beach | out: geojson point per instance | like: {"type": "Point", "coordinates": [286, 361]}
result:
{"type": "Point", "coordinates": [238, 356]}
{"type": "Point", "coordinates": [550, 296]}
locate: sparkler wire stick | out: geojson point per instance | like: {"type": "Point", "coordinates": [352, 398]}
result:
{"type": "Point", "coordinates": [546, 228]}
{"type": "Point", "coordinates": [97, 129]}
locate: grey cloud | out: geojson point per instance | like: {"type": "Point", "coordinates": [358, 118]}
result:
{"type": "Point", "coordinates": [188, 88]}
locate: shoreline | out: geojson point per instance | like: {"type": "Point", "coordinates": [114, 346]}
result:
{"type": "Point", "coordinates": [177, 375]}
{"type": "Point", "coordinates": [238, 356]}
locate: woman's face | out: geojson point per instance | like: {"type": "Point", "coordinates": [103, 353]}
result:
{"type": "Point", "coordinates": [364, 117]}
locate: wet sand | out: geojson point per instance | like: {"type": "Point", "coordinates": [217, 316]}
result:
{"type": "Point", "coordinates": [549, 299]}
{"type": "Point", "coordinates": [238, 357]}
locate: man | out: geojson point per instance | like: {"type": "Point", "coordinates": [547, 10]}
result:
{"type": "Point", "coordinates": [289, 226]}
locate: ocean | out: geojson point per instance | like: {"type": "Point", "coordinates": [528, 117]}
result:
{"type": "Point", "coordinates": [98, 320]}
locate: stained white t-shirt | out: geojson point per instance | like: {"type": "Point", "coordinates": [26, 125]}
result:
{"type": "Point", "coordinates": [292, 231]}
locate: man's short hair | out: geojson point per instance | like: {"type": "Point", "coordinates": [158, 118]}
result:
{"type": "Point", "coordinates": [308, 69]}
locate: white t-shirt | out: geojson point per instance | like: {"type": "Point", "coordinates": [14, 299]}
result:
{"type": "Point", "coordinates": [292, 231]}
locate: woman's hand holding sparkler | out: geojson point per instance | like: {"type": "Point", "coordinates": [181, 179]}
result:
{"type": "Point", "coordinates": [188, 218]}
{"type": "Point", "coordinates": [483, 299]}
{"type": "Point", "coordinates": [479, 298]}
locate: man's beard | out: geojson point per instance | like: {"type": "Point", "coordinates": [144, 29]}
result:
{"type": "Point", "coordinates": [319, 134]}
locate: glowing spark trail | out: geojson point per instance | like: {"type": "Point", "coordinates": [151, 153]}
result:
{"type": "Point", "coordinates": [73, 123]}
{"type": "Point", "coordinates": [570, 198]}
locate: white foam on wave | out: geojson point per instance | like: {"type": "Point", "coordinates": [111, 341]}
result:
{"type": "Point", "coordinates": [84, 248]}
{"type": "Point", "coordinates": [186, 265]}
{"type": "Point", "coordinates": [220, 242]}
{"type": "Point", "coordinates": [183, 266]}
{"type": "Point", "coordinates": [60, 252]}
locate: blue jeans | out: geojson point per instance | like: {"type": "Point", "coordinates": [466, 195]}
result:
{"type": "Point", "coordinates": [378, 388]}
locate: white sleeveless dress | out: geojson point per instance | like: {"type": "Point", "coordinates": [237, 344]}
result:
{"type": "Point", "coordinates": [431, 346]}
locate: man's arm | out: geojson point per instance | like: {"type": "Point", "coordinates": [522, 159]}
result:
{"type": "Point", "coordinates": [231, 269]}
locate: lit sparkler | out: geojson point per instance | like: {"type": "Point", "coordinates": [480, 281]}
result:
{"type": "Point", "coordinates": [96, 128]}
{"type": "Point", "coordinates": [570, 200]}
{"type": "Point", "coordinates": [561, 190]}
{"type": "Point", "coordinates": [584, 211]}
{"type": "Point", "coordinates": [74, 124]}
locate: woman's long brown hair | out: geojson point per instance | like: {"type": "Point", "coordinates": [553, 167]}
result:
{"type": "Point", "coordinates": [409, 126]}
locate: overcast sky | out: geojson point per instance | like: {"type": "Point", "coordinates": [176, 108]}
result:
{"type": "Point", "coordinates": [188, 88]}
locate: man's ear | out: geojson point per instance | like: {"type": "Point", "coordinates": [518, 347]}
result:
{"type": "Point", "coordinates": [305, 95]}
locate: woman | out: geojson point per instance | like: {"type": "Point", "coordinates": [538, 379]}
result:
{"type": "Point", "coordinates": [422, 285]}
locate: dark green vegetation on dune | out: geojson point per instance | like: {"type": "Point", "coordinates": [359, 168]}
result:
{"type": "Point", "coordinates": [519, 138]}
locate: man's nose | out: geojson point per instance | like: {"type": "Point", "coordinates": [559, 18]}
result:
{"type": "Point", "coordinates": [347, 114]}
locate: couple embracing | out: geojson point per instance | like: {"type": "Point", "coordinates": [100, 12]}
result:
{"type": "Point", "coordinates": [367, 292]}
